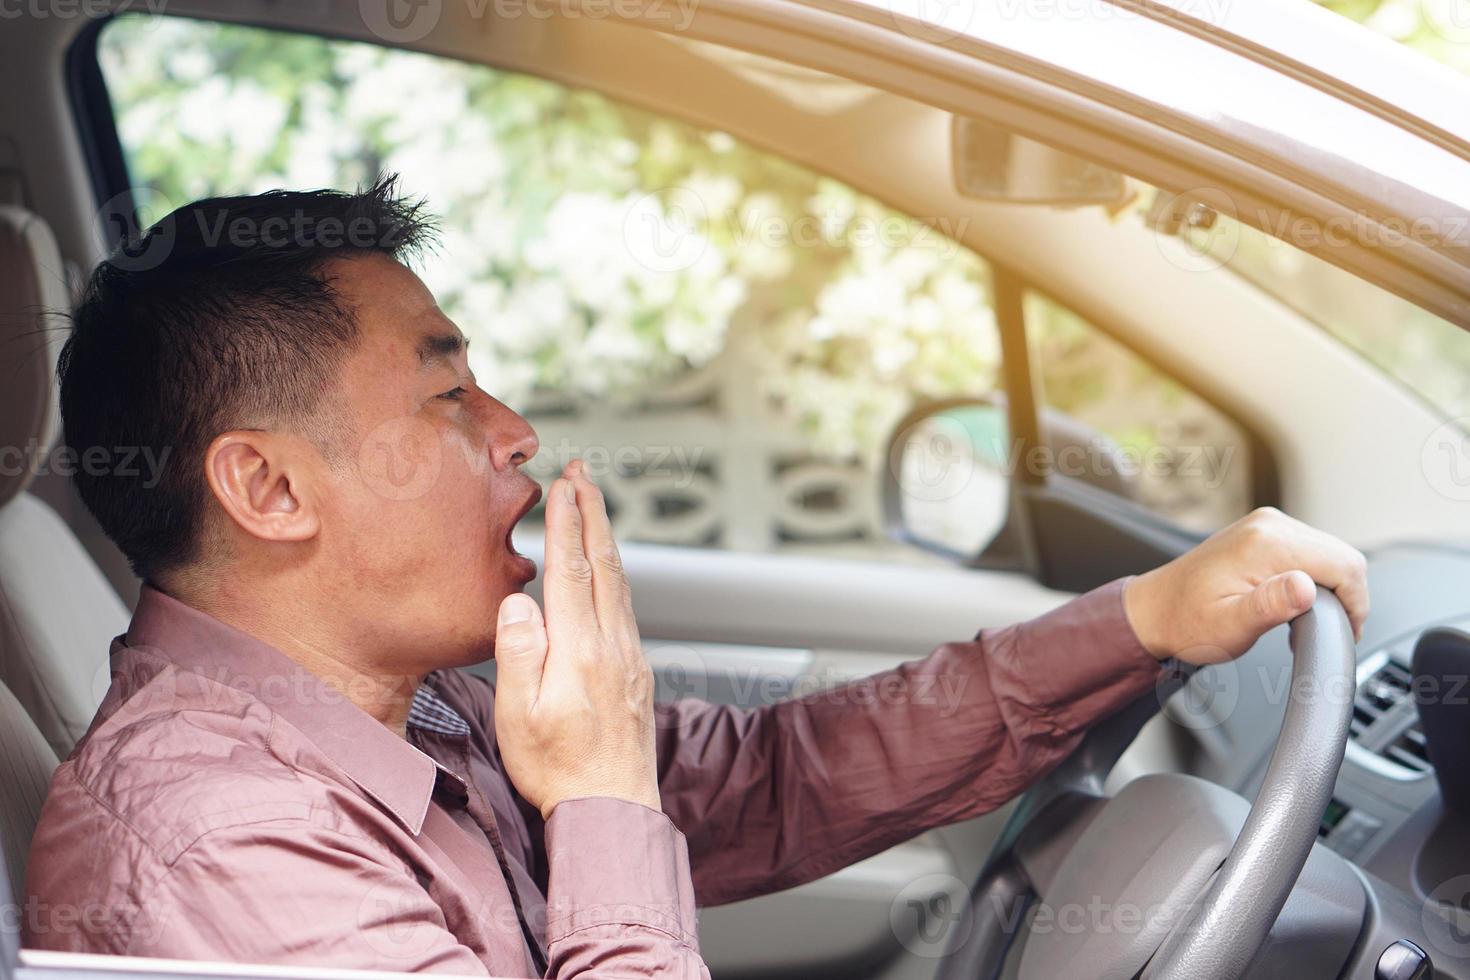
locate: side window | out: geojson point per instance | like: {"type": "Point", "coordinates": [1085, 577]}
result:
{"type": "Point", "coordinates": [725, 337]}
{"type": "Point", "coordinates": [1166, 447]}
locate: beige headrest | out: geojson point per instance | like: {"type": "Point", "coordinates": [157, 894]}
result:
{"type": "Point", "coordinates": [33, 294]}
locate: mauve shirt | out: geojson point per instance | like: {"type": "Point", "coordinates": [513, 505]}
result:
{"type": "Point", "coordinates": [226, 804]}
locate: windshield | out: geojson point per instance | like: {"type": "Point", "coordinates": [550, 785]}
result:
{"type": "Point", "coordinates": [1428, 355]}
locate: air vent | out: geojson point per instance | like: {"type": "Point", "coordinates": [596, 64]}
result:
{"type": "Point", "coordinates": [1408, 750]}
{"type": "Point", "coordinates": [1385, 720]}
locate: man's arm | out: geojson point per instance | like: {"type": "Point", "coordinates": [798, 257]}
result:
{"type": "Point", "coordinates": [780, 795]}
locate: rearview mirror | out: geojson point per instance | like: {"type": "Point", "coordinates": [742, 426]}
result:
{"type": "Point", "coordinates": [994, 164]}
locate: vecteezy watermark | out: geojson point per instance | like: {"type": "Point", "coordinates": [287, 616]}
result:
{"type": "Point", "coordinates": [143, 463]}
{"type": "Point", "coordinates": [74, 9]}
{"type": "Point", "coordinates": [683, 671]}
{"type": "Point", "coordinates": [144, 222]}
{"type": "Point", "coordinates": [931, 916]}
{"type": "Point", "coordinates": [39, 919]}
{"type": "Point", "coordinates": [676, 466]}
{"type": "Point", "coordinates": [669, 230]}
{"type": "Point", "coordinates": [153, 682]}
{"type": "Point", "coordinates": [941, 460]}
{"type": "Point", "coordinates": [1445, 459]}
{"type": "Point", "coordinates": [1200, 229]}
{"type": "Point", "coordinates": [1211, 696]}
{"type": "Point", "coordinates": [407, 21]}
{"type": "Point", "coordinates": [404, 458]}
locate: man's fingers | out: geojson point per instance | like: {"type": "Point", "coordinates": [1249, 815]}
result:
{"type": "Point", "coordinates": [1279, 599]}
{"type": "Point", "coordinates": [568, 582]}
{"type": "Point", "coordinates": [520, 651]}
{"type": "Point", "coordinates": [609, 585]}
{"type": "Point", "coordinates": [1341, 568]}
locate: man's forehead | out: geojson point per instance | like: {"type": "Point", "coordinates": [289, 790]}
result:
{"type": "Point", "coordinates": [396, 312]}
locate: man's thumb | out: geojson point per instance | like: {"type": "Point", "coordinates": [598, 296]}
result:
{"type": "Point", "coordinates": [1281, 598]}
{"type": "Point", "coordinates": [520, 643]}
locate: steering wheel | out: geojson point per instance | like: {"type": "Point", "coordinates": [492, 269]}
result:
{"type": "Point", "coordinates": [1199, 874]}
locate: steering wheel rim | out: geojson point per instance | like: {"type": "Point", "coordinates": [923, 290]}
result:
{"type": "Point", "coordinates": [1227, 923]}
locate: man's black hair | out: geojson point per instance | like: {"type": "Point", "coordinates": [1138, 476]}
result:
{"type": "Point", "coordinates": [220, 317]}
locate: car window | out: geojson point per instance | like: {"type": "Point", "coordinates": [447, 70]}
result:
{"type": "Point", "coordinates": [1426, 354]}
{"type": "Point", "coordinates": [727, 338]}
{"type": "Point", "coordinates": [1170, 449]}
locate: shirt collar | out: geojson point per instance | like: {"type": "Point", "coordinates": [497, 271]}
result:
{"type": "Point", "coordinates": [399, 777]}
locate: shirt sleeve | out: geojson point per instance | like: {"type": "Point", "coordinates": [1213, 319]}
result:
{"type": "Point", "coordinates": [620, 901]}
{"type": "Point", "coordinates": [295, 893]}
{"type": "Point", "coordinates": [777, 796]}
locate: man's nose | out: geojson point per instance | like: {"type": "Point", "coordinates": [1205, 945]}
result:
{"type": "Point", "coordinates": [512, 440]}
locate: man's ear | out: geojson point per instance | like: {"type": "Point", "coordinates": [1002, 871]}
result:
{"type": "Point", "coordinates": [259, 478]}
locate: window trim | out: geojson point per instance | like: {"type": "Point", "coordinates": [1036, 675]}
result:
{"type": "Point", "coordinates": [96, 126]}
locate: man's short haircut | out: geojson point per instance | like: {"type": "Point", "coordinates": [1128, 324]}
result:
{"type": "Point", "coordinates": [217, 318]}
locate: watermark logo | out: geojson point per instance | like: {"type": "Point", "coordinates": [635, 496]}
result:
{"type": "Point", "coordinates": [401, 459]}
{"type": "Point", "coordinates": [931, 915]}
{"type": "Point", "coordinates": [1192, 236]}
{"type": "Point", "coordinates": [1209, 698]}
{"type": "Point", "coordinates": [140, 221]}
{"type": "Point", "coordinates": [400, 21]}
{"type": "Point", "coordinates": [1446, 920]}
{"type": "Point", "coordinates": [1450, 19]}
{"type": "Point", "coordinates": [664, 229]}
{"type": "Point", "coordinates": [932, 20]}
{"type": "Point", "coordinates": [936, 459]}
{"type": "Point", "coordinates": [1445, 459]}
{"type": "Point", "coordinates": [680, 673]}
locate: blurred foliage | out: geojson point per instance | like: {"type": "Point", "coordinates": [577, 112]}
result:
{"type": "Point", "coordinates": [591, 249]}
{"type": "Point", "coordinates": [1437, 28]}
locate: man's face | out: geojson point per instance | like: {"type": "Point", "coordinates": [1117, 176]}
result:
{"type": "Point", "coordinates": [417, 515]}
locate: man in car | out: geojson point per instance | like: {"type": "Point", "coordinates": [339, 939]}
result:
{"type": "Point", "coordinates": [288, 768]}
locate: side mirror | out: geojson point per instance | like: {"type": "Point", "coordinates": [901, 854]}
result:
{"type": "Point", "coordinates": [956, 477]}
{"type": "Point", "coordinates": [948, 488]}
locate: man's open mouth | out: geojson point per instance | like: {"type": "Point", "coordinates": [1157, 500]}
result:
{"type": "Point", "coordinates": [524, 565]}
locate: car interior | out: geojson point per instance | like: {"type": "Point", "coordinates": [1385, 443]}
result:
{"type": "Point", "coordinates": [878, 244]}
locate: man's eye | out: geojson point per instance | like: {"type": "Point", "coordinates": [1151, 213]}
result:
{"type": "Point", "coordinates": [453, 394]}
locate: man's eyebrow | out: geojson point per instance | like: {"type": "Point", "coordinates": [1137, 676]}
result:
{"type": "Point", "coordinates": [436, 348]}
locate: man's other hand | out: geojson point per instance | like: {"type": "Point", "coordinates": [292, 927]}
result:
{"type": "Point", "coordinates": [573, 694]}
{"type": "Point", "coordinates": [1214, 602]}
